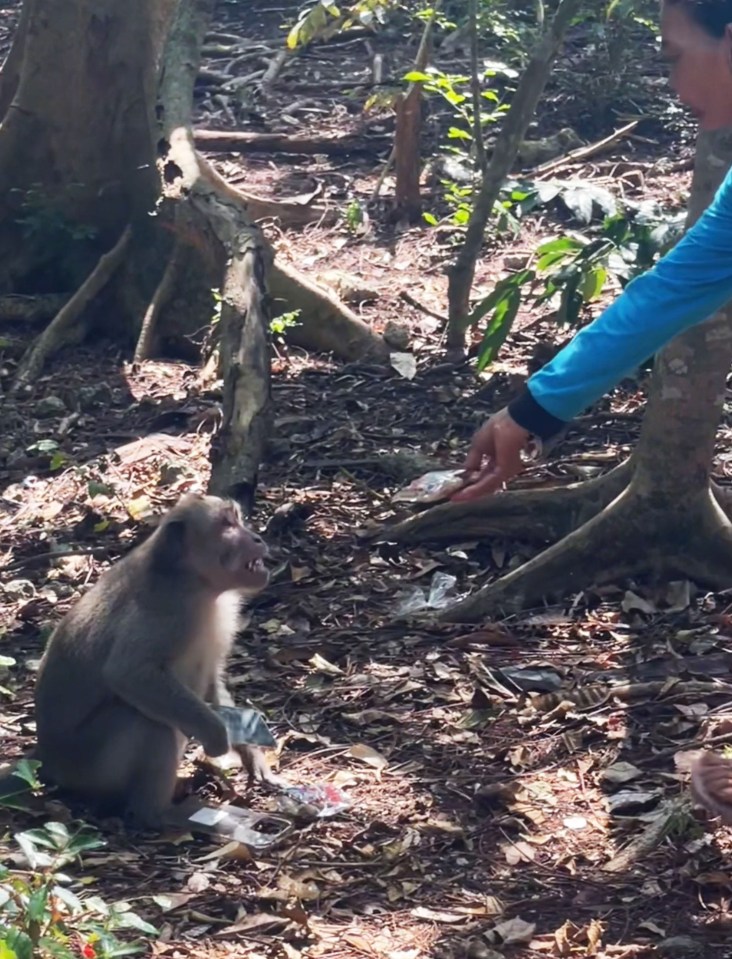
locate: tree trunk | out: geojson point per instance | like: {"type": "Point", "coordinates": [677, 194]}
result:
{"type": "Point", "coordinates": [504, 155]}
{"type": "Point", "coordinates": [104, 199]}
{"type": "Point", "coordinates": [10, 76]}
{"type": "Point", "coordinates": [98, 163]}
{"type": "Point", "coordinates": [659, 513]}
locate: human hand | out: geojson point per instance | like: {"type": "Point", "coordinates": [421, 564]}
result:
{"type": "Point", "coordinates": [494, 456]}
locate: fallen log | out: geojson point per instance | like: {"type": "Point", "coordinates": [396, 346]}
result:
{"type": "Point", "coordinates": [234, 141]}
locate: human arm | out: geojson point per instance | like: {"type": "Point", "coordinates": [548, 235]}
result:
{"type": "Point", "coordinates": [684, 288]}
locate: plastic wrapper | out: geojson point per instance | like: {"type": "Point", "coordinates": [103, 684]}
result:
{"type": "Point", "coordinates": [246, 727]}
{"type": "Point", "coordinates": [322, 800]}
{"type": "Point", "coordinates": [432, 487]}
{"type": "Point", "coordinates": [440, 594]}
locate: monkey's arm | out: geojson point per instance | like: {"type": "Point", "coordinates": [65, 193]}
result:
{"type": "Point", "coordinates": [218, 694]}
{"type": "Point", "coordinates": [159, 695]}
{"type": "Point", "coordinates": [252, 758]}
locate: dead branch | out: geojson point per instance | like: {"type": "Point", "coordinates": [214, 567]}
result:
{"type": "Point", "coordinates": [325, 324]}
{"type": "Point", "coordinates": [585, 152]}
{"type": "Point", "coordinates": [274, 69]}
{"type": "Point", "coordinates": [228, 141]}
{"type": "Point", "coordinates": [67, 327]}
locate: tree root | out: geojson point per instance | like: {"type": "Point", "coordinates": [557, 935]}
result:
{"type": "Point", "coordinates": [534, 516]}
{"type": "Point", "coordinates": [144, 348]}
{"type": "Point", "coordinates": [67, 326]}
{"type": "Point", "coordinates": [632, 535]}
{"type": "Point", "coordinates": [325, 325]}
{"type": "Point", "coordinates": [289, 213]}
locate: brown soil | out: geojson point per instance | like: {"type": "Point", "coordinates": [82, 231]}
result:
{"type": "Point", "coordinates": [474, 804]}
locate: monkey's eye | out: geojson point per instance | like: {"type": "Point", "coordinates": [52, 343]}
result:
{"type": "Point", "coordinates": [229, 519]}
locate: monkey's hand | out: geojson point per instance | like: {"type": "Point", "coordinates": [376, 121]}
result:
{"type": "Point", "coordinates": [215, 741]}
{"type": "Point", "coordinates": [711, 784]}
{"type": "Point", "coordinates": [257, 766]}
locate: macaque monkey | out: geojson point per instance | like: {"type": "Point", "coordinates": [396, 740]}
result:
{"type": "Point", "coordinates": [711, 784]}
{"type": "Point", "coordinates": [127, 675]}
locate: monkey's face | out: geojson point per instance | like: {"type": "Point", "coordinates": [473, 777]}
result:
{"type": "Point", "coordinates": [216, 544]}
{"type": "Point", "coordinates": [242, 553]}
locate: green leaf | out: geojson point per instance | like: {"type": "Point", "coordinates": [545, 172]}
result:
{"type": "Point", "coordinates": [571, 302]}
{"type": "Point", "coordinates": [455, 133]}
{"type": "Point", "coordinates": [130, 920]}
{"type": "Point", "coordinates": [429, 218]}
{"type": "Point", "coordinates": [38, 904]}
{"type": "Point", "coordinates": [501, 290]}
{"type": "Point", "coordinates": [592, 283]}
{"type": "Point", "coordinates": [499, 328]}
{"type": "Point", "coordinates": [19, 943]}
{"type": "Point", "coordinates": [563, 244]}
{"type": "Point", "coordinates": [548, 190]}
{"type": "Point", "coordinates": [45, 446]}
{"type": "Point", "coordinates": [27, 770]}
{"type": "Point", "coordinates": [578, 200]}
{"type": "Point", "coordinates": [416, 76]}
{"type": "Point", "coordinates": [95, 488]}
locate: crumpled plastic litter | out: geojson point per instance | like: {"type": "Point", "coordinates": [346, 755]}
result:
{"type": "Point", "coordinates": [323, 799]}
{"type": "Point", "coordinates": [431, 487]}
{"type": "Point", "coordinates": [440, 594]}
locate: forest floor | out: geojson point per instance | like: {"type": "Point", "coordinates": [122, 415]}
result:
{"type": "Point", "coordinates": [482, 818]}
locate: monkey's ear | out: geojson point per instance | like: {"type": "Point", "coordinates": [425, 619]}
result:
{"type": "Point", "coordinates": [169, 548]}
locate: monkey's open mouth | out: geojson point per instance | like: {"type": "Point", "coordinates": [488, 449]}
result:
{"type": "Point", "coordinates": [255, 566]}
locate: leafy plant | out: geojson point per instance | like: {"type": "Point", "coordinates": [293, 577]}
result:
{"type": "Point", "coordinates": [574, 270]}
{"type": "Point", "coordinates": [50, 448]}
{"type": "Point", "coordinates": [280, 324]}
{"type": "Point", "coordinates": [455, 90]}
{"type": "Point", "coordinates": [41, 917]}
{"type": "Point", "coordinates": [354, 215]}
{"type": "Point", "coordinates": [26, 774]}
{"type": "Point", "coordinates": [325, 20]}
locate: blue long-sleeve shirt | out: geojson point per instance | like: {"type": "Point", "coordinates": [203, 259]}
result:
{"type": "Point", "coordinates": [685, 287]}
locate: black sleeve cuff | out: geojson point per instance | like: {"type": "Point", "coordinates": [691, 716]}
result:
{"type": "Point", "coordinates": [534, 418]}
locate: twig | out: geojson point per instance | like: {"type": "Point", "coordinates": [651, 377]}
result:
{"type": "Point", "coordinates": [57, 554]}
{"type": "Point", "coordinates": [584, 153]}
{"type": "Point", "coordinates": [274, 69]}
{"type": "Point", "coordinates": [403, 295]}
{"type": "Point", "coordinates": [475, 84]}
